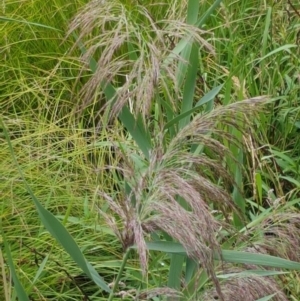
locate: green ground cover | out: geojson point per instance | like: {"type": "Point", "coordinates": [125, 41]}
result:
{"type": "Point", "coordinates": [144, 141]}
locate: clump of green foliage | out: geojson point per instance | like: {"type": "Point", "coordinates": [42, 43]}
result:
{"type": "Point", "coordinates": [149, 150]}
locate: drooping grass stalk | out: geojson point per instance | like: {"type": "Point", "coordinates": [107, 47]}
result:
{"type": "Point", "coordinates": [253, 55]}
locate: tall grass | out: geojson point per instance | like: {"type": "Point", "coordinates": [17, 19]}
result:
{"type": "Point", "coordinates": [136, 135]}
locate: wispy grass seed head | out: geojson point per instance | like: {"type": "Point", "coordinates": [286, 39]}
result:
{"type": "Point", "coordinates": [172, 192]}
{"type": "Point", "coordinates": [250, 288]}
{"type": "Point", "coordinates": [130, 48]}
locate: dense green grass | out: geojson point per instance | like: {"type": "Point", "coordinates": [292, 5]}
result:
{"type": "Point", "coordinates": [114, 177]}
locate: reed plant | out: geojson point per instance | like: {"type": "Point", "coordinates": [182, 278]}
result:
{"type": "Point", "coordinates": [149, 150]}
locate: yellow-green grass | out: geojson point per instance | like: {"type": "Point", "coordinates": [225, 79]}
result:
{"type": "Point", "coordinates": [67, 157]}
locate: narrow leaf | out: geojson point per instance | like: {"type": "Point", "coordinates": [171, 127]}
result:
{"type": "Point", "coordinates": [28, 23]}
{"type": "Point", "coordinates": [267, 297]}
{"type": "Point", "coordinates": [258, 182]}
{"type": "Point", "coordinates": [192, 15]}
{"type": "Point", "coordinates": [209, 95]}
{"type": "Point", "coordinates": [56, 229]}
{"type": "Point", "coordinates": [229, 256]}
{"type": "Point", "coordinates": [258, 259]}
{"type": "Point", "coordinates": [279, 49]}
{"type": "Point", "coordinates": [189, 86]}
{"type": "Point", "coordinates": [266, 30]}
{"type": "Point", "coordinates": [206, 98]}
{"type": "Point", "coordinates": [207, 14]}
{"type": "Point", "coordinates": [191, 267]}
{"type": "Point", "coordinates": [41, 269]}
{"type": "Point", "coordinates": [248, 273]}
{"type": "Point", "coordinates": [236, 195]}
{"type": "Point", "coordinates": [193, 11]}
{"type": "Point", "coordinates": [165, 246]}
{"type": "Point", "coordinates": [175, 271]}
{"type": "Point", "coordinates": [137, 130]}
{"type": "Point", "coordinates": [22, 296]}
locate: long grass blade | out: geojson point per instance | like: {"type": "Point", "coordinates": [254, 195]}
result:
{"type": "Point", "coordinates": [236, 195]}
{"type": "Point", "coordinates": [190, 84]}
{"type": "Point", "coordinates": [279, 49]}
{"type": "Point", "coordinates": [208, 13]}
{"type": "Point", "coordinates": [22, 296]}
{"type": "Point", "coordinates": [191, 266]}
{"type": "Point", "coordinates": [267, 298]}
{"type": "Point", "coordinates": [258, 259]}
{"type": "Point", "coordinates": [230, 256]}
{"type": "Point", "coordinates": [266, 31]}
{"type": "Point", "coordinates": [56, 229]}
{"type": "Point", "coordinates": [41, 269]}
{"type": "Point", "coordinates": [205, 99]}
{"type": "Point", "coordinates": [248, 273]}
{"type": "Point", "coordinates": [192, 15]}
{"type": "Point", "coordinates": [5, 19]}
{"type": "Point", "coordinates": [175, 271]}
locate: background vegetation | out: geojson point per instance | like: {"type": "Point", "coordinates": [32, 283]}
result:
{"type": "Point", "coordinates": [144, 141]}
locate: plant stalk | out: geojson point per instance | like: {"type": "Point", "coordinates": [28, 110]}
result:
{"type": "Point", "coordinates": [116, 284]}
